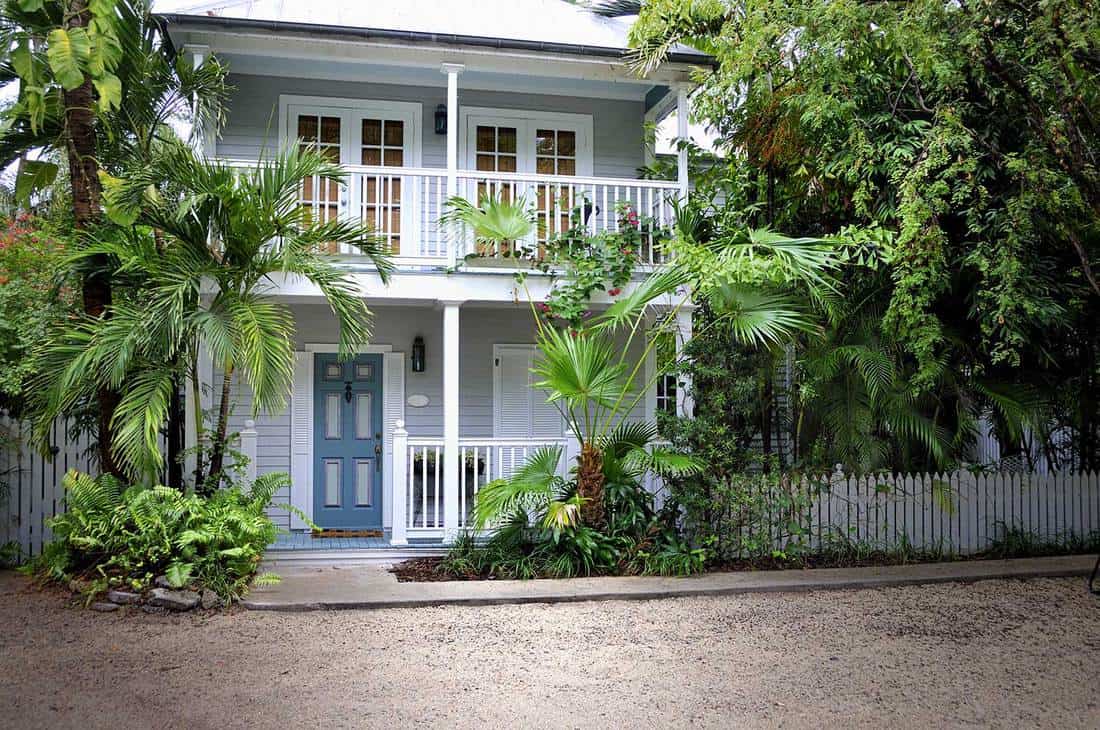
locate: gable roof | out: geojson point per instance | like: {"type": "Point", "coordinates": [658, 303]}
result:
{"type": "Point", "coordinates": [548, 25]}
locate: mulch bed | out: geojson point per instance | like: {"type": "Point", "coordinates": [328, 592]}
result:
{"type": "Point", "coordinates": [427, 570]}
{"type": "Point", "coordinates": [423, 570]}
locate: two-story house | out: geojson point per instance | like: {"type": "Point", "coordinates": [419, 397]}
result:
{"type": "Point", "coordinates": [420, 101]}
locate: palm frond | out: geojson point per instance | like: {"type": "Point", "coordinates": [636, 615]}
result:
{"type": "Point", "coordinates": [531, 487]}
{"type": "Point", "coordinates": [666, 284]}
{"type": "Point", "coordinates": [758, 317]}
{"type": "Point", "coordinates": [578, 368]}
{"type": "Point", "coordinates": [493, 221]}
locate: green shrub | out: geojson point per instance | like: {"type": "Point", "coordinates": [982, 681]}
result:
{"type": "Point", "coordinates": [122, 536]}
{"type": "Point", "coordinates": [637, 540]}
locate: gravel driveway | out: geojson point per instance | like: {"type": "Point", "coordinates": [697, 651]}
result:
{"type": "Point", "coordinates": [1000, 653]}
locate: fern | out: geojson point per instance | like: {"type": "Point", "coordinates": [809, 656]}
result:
{"type": "Point", "coordinates": [128, 535]}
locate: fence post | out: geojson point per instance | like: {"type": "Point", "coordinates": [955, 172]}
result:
{"type": "Point", "coordinates": [399, 485]}
{"type": "Point", "coordinates": [249, 439]}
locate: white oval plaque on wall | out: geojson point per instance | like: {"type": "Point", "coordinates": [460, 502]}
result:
{"type": "Point", "coordinates": [417, 400]}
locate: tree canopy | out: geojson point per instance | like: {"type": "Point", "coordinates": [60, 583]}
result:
{"type": "Point", "coordinates": [957, 140]}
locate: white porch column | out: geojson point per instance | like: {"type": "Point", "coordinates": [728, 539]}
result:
{"type": "Point", "coordinates": [682, 136]}
{"type": "Point", "coordinates": [451, 464]}
{"type": "Point", "coordinates": [685, 407]}
{"type": "Point", "coordinates": [204, 139]}
{"type": "Point", "coordinates": [399, 469]}
{"type": "Point", "coordinates": [249, 448]}
{"type": "Point", "coordinates": [452, 70]}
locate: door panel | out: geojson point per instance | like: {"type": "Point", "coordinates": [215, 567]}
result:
{"type": "Point", "coordinates": [499, 144]}
{"type": "Point", "coordinates": [495, 150]}
{"type": "Point", "coordinates": [348, 442]}
{"type": "Point", "coordinates": [521, 410]}
{"type": "Point", "coordinates": [555, 154]}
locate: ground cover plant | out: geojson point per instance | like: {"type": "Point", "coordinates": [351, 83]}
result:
{"type": "Point", "coordinates": [118, 536]}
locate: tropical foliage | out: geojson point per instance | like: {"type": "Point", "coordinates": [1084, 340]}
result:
{"type": "Point", "coordinates": [98, 83]}
{"type": "Point", "coordinates": [200, 267]}
{"type": "Point", "coordinates": [31, 253]}
{"type": "Point", "coordinates": [118, 536]}
{"type": "Point", "coordinates": [954, 142]}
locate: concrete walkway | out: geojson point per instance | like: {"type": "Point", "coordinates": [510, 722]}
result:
{"type": "Point", "coordinates": [374, 587]}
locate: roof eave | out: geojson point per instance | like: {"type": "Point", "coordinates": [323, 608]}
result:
{"type": "Point", "coordinates": [277, 26]}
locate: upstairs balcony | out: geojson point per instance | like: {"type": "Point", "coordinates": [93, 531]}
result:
{"type": "Point", "coordinates": [404, 206]}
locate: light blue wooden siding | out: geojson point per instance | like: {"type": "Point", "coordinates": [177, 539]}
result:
{"type": "Point", "coordinates": [479, 329]}
{"type": "Point", "coordinates": [253, 117]}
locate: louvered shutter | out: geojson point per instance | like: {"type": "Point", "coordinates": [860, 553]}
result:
{"type": "Point", "coordinates": [520, 410]}
{"type": "Point", "coordinates": [546, 421]}
{"type": "Point", "coordinates": [511, 399]}
{"type": "Point", "coordinates": [301, 438]}
{"type": "Point", "coordinates": [393, 410]}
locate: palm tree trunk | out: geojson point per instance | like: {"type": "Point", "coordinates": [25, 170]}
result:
{"type": "Point", "coordinates": [175, 438]}
{"type": "Point", "coordinates": [84, 178]}
{"type": "Point", "coordinates": [217, 448]}
{"type": "Point", "coordinates": [196, 405]}
{"type": "Point", "coordinates": [590, 486]}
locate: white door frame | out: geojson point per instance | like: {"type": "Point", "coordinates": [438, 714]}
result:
{"type": "Point", "coordinates": [351, 111]}
{"type": "Point", "coordinates": [301, 492]}
{"type": "Point", "coordinates": [526, 123]}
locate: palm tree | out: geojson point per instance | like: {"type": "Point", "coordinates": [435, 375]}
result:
{"type": "Point", "coordinates": [856, 401]}
{"type": "Point", "coordinates": [763, 287]}
{"type": "Point", "coordinates": [494, 222]}
{"type": "Point", "coordinates": [227, 236]}
{"type": "Point", "coordinates": [97, 81]}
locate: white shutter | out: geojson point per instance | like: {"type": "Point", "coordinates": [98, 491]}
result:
{"type": "Point", "coordinates": [301, 438]}
{"type": "Point", "coordinates": [546, 421]}
{"type": "Point", "coordinates": [520, 409]}
{"type": "Point", "coordinates": [393, 410]}
{"type": "Point", "coordinates": [511, 395]}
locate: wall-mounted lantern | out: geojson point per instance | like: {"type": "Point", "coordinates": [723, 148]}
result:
{"type": "Point", "coordinates": [441, 119]}
{"type": "Point", "coordinates": [418, 354]}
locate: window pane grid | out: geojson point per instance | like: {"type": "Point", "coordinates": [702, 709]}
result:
{"type": "Point", "coordinates": [320, 198]}
{"type": "Point", "coordinates": [383, 145]}
{"type": "Point", "coordinates": [555, 154]}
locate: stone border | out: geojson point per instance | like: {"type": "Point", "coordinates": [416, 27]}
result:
{"type": "Point", "coordinates": [373, 587]}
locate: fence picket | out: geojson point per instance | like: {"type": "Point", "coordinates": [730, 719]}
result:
{"type": "Point", "coordinates": [959, 512]}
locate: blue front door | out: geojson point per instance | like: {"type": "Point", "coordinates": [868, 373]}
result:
{"type": "Point", "coordinates": [347, 441]}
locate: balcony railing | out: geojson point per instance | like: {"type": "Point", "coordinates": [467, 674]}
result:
{"type": "Point", "coordinates": [404, 205]}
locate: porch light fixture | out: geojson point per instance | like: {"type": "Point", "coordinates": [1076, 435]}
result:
{"type": "Point", "coordinates": [441, 119]}
{"type": "Point", "coordinates": [418, 354]}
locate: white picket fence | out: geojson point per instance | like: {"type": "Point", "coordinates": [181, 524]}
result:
{"type": "Point", "coordinates": [31, 488]}
{"type": "Point", "coordinates": [960, 513]}
{"type": "Point", "coordinates": [957, 513]}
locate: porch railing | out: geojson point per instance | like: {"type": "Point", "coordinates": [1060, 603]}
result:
{"type": "Point", "coordinates": [419, 479]}
{"type": "Point", "coordinates": [403, 206]}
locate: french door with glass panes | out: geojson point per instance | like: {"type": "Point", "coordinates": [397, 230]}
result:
{"type": "Point", "coordinates": [378, 135]}
{"type": "Point", "coordinates": [547, 146]}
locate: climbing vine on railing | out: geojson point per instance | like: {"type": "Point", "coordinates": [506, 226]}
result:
{"type": "Point", "coordinates": [585, 263]}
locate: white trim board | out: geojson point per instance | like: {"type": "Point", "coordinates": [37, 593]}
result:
{"type": "Point", "coordinates": [427, 77]}
{"type": "Point", "coordinates": [362, 349]}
